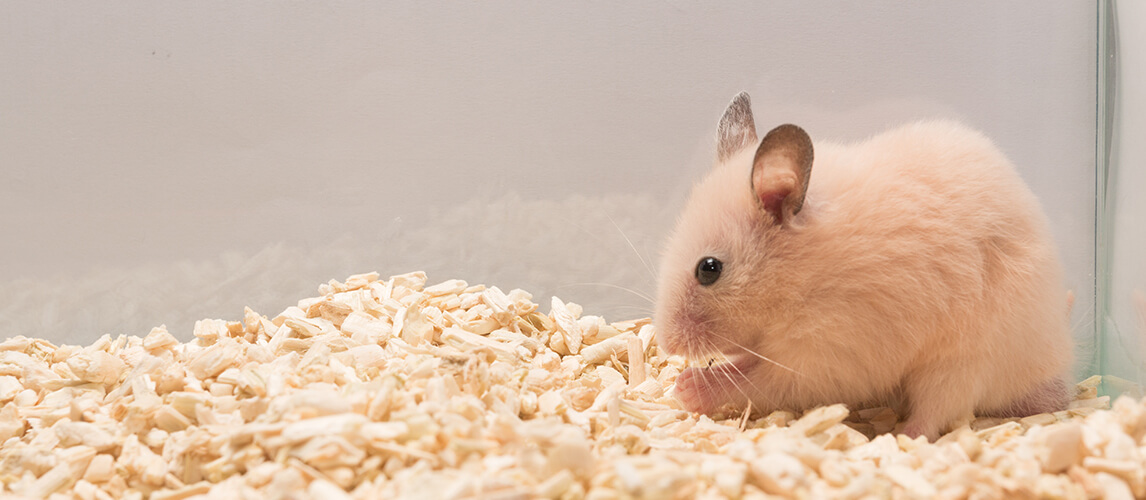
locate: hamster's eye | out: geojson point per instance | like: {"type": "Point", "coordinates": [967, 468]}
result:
{"type": "Point", "coordinates": [708, 270]}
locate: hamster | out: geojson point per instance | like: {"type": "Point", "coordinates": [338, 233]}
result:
{"type": "Point", "coordinates": [913, 269]}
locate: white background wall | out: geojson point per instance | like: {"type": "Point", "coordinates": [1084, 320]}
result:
{"type": "Point", "coordinates": [161, 162]}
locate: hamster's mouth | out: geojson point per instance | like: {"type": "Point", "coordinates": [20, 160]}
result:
{"type": "Point", "coordinates": [737, 362]}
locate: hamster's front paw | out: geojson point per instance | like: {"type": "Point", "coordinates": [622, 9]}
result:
{"type": "Point", "coordinates": [703, 390]}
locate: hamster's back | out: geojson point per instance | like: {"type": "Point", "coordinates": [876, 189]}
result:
{"type": "Point", "coordinates": [948, 241]}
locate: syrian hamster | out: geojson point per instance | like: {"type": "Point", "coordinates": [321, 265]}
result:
{"type": "Point", "coordinates": [916, 269]}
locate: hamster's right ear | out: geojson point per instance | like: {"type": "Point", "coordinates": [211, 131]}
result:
{"type": "Point", "coordinates": [736, 130]}
{"type": "Point", "coordinates": [781, 170]}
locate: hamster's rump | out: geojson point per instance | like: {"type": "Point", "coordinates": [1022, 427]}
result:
{"type": "Point", "coordinates": [920, 267]}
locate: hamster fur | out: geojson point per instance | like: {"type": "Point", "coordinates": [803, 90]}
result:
{"type": "Point", "coordinates": [919, 270]}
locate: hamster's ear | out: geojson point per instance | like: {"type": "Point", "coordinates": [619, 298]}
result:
{"type": "Point", "coordinates": [736, 130]}
{"type": "Point", "coordinates": [781, 170]}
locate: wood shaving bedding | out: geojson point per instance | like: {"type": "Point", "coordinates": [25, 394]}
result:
{"type": "Point", "coordinates": [395, 389]}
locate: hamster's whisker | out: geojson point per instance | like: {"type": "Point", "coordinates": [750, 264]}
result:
{"type": "Point", "coordinates": [610, 285]}
{"type": "Point", "coordinates": [712, 345]}
{"type": "Point", "coordinates": [708, 372]}
{"type": "Point", "coordinates": [753, 384]}
{"type": "Point", "coordinates": [754, 353]}
{"type": "Point", "coordinates": [641, 310]}
{"type": "Point", "coordinates": [725, 313]}
{"type": "Point", "coordinates": [708, 321]}
{"type": "Point", "coordinates": [648, 268]}
{"type": "Point", "coordinates": [735, 385]}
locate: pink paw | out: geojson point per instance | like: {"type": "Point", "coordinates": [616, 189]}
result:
{"type": "Point", "coordinates": [697, 390]}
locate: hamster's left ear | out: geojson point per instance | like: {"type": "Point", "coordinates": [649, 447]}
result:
{"type": "Point", "coordinates": [736, 129]}
{"type": "Point", "coordinates": [781, 170]}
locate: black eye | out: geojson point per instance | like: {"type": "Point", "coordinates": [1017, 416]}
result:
{"type": "Point", "coordinates": [708, 270]}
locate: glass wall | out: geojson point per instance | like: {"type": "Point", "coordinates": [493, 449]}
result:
{"type": "Point", "coordinates": [1122, 249]}
{"type": "Point", "coordinates": [163, 162]}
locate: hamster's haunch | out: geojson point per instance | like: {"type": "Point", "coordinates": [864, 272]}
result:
{"type": "Point", "coordinates": [914, 268]}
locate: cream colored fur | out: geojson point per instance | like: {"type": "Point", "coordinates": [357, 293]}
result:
{"type": "Point", "coordinates": [921, 269]}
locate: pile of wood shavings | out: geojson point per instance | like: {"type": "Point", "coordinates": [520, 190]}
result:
{"type": "Point", "coordinates": [392, 389]}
